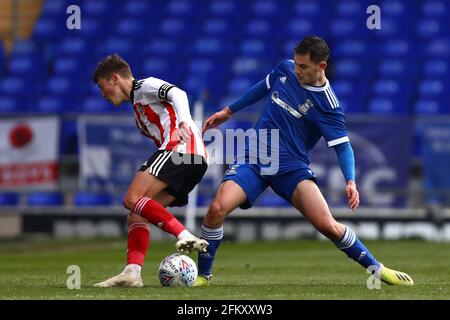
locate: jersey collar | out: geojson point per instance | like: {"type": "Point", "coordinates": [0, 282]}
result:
{"type": "Point", "coordinates": [317, 89]}
{"type": "Point", "coordinates": [133, 87]}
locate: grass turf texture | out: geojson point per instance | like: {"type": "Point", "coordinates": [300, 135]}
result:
{"type": "Point", "coordinates": [261, 270]}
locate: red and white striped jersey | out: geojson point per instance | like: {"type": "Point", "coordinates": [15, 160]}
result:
{"type": "Point", "coordinates": [157, 118]}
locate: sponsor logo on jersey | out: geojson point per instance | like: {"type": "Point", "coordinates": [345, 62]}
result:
{"type": "Point", "coordinates": [306, 106]}
{"type": "Point", "coordinates": [283, 79]}
{"type": "Point", "coordinates": [276, 98]}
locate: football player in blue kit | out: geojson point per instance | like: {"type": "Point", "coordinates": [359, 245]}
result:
{"type": "Point", "coordinates": [301, 108]}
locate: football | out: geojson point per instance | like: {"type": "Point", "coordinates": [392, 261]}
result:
{"type": "Point", "coordinates": [177, 270]}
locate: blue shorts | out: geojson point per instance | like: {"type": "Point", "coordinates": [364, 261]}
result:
{"type": "Point", "coordinates": [249, 178]}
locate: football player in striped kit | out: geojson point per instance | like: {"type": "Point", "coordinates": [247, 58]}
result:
{"type": "Point", "coordinates": [161, 112]}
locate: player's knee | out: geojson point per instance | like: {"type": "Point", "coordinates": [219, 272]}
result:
{"type": "Point", "coordinates": [217, 210]}
{"type": "Point", "coordinates": [129, 201]}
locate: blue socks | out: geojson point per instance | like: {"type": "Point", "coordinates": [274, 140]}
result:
{"type": "Point", "coordinates": [353, 247]}
{"type": "Point", "coordinates": [206, 259]}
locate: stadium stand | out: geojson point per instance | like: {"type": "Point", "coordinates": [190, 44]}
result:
{"type": "Point", "coordinates": [221, 49]}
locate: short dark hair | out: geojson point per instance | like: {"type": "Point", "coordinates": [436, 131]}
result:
{"type": "Point", "coordinates": [109, 65]}
{"type": "Point", "coordinates": [316, 47]}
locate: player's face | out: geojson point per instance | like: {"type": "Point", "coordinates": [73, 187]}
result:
{"type": "Point", "coordinates": [111, 90]}
{"type": "Point", "coordinates": [306, 70]}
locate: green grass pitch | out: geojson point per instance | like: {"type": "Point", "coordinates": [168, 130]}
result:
{"type": "Point", "coordinates": [286, 270]}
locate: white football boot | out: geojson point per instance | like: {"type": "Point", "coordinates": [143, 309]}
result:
{"type": "Point", "coordinates": [186, 246]}
{"type": "Point", "coordinates": [127, 280]}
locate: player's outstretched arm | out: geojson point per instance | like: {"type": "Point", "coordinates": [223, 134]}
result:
{"type": "Point", "coordinates": [346, 159]}
{"type": "Point", "coordinates": [252, 95]}
{"type": "Point", "coordinates": [217, 118]}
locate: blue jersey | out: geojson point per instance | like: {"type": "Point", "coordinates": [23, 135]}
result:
{"type": "Point", "coordinates": [302, 114]}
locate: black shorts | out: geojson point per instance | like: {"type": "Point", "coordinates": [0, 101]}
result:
{"type": "Point", "coordinates": [181, 171]}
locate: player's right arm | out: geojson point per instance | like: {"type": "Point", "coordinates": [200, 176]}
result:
{"type": "Point", "coordinates": [252, 95]}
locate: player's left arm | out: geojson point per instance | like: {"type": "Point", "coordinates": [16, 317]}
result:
{"type": "Point", "coordinates": [331, 122]}
{"type": "Point", "coordinates": [180, 102]}
{"type": "Point", "coordinates": [159, 89]}
{"type": "Point", "coordinates": [346, 159]}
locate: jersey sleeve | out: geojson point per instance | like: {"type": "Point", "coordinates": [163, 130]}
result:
{"type": "Point", "coordinates": [157, 89]}
{"type": "Point", "coordinates": [331, 124]}
{"type": "Point", "coordinates": [279, 70]}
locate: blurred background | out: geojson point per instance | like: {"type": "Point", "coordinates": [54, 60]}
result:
{"type": "Point", "coordinates": [67, 155]}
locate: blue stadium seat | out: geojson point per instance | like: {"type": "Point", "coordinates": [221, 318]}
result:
{"type": "Point", "coordinates": [9, 199]}
{"type": "Point", "coordinates": [41, 198]}
{"type": "Point", "coordinates": [397, 9]}
{"type": "Point", "coordinates": [265, 9]}
{"type": "Point", "coordinates": [254, 68]}
{"type": "Point", "coordinates": [93, 90]}
{"type": "Point", "coordinates": [349, 8]}
{"type": "Point", "coordinates": [9, 104]}
{"type": "Point", "coordinates": [194, 84]}
{"type": "Point", "coordinates": [258, 28]}
{"type": "Point", "coordinates": [96, 104]}
{"type": "Point", "coordinates": [388, 106]}
{"type": "Point", "coordinates": [25, 47]}
{"type": "Point", "coordinates": [185, 8]}
{"type": "Point", "coordinates": [388, 88]}
{"type": "Point", "coordinates": [396, 68]}
{"type": "Point", "coordinates": [93, 28]}
{"type": "Point", "coordinates": [218, 28]}
{"type": "Point", "coordinates": [211, 47]}
{"type": "Point", "coordinates": [14, 86]}
{"type": "Point", "coordinates": [87, 199]}
{"type": "Point", "coordinates": [346, 28]}
{"type": "Point", "coordinates": [227, 8]}
{"type": "Point", "coordinates": [349, 68]}
{"type": "Point", "coordinates": [237, 86]}
{"type": "Point", "coordinates": [68, 66]}
{"type": "Point", "coordinates": [124, 46]}
{"type": "Point", "coordinates": [252, 48]}
{"type": "Point", "coordinates": [54, 8]}
{"type": "Point", "coordinates": [160, 68]}
{"type": "Point", "coordinates": [392, 27]}
{"type": "Point", "coordinates": [433, 88]}
{"type": "Point", "coordinates": [142, 8]}
{"type": "Point", "coordinates": [26, 66]}
{"type": "Point", "coordinates": [436, 68]}
{"type": "Point", "coordinates": [98, 8]}
{"type": "Point", "coordinates": [47, 29]}
{"type": "Point", "coordinates": [391, 96]}
{"type": "Point", "coordinates": [134, 28]}
{"type": "Point", "coordinates": [350, 94]}
{"type": "Point", "coordinates": [307, 8]}
{"type": "Point", "coordinates": [175, 27]}
{"type": "Point", "coordinates": [435, 9]}
{"type": "Point", "coordinates": [430, 28]}
{"type": "Point", "coordinates": [64, 86]}
{"type": "Point", "coordinates": [437, 48]}
{"type": "Point", "coordinates": [51, 104]}
{"type": "Point", "coordinates": [350, 48]}
{"type": "Point", "coordinates": [396, 47]}
{"type": "Point", "coordinates": [74, 46]}
{"type": "Point", "coordinates": [297, 28]}
{"type": "Point", "coordinates": [162, 47]}
{"type": "Point", "coordinates": [287, 48]}
{"type": "Point", "coordinates": [432, 106]}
